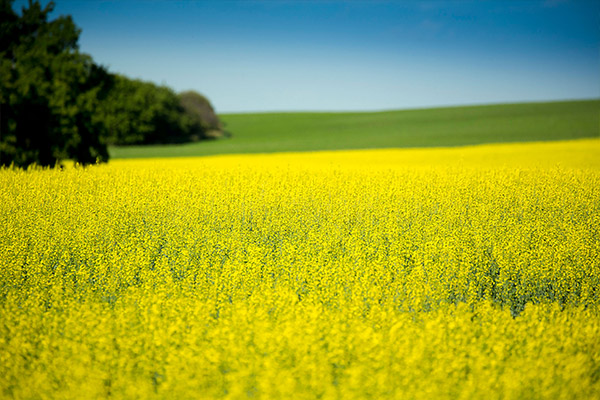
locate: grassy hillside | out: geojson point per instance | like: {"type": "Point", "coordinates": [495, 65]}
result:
{"type": "Point", "coordinates": [453, 126]}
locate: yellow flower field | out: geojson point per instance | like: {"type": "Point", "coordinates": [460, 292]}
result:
{"type": "Point", "coordinates": [459, 273]}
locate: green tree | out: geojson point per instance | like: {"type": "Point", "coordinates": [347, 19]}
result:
{"type": "Point", "coordinates": [138, 112]}
{"type": "Point", "coordinates": [48, 90]}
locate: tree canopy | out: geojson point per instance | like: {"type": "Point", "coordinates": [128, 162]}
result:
{"type": "Point", "coordinates": [200, 114]}
{"type": "Point", "coordinates": [138, 112]}
{"type": "Point", "coordinates": [49, 91]}
{"type": "Point", "coordinates": [56, 103]}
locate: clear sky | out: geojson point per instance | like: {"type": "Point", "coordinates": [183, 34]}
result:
{"type": "Point", "coordinates": [348, 55]}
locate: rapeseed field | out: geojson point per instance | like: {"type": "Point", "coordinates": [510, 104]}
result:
{"type": "Point", "coordinates": [464, 273]}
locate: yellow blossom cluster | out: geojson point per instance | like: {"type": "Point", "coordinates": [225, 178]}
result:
{"type": "Point", "coordinates": [458, 273]}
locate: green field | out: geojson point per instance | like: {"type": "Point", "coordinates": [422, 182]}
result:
{"type": "Point", "coordinates": [452, 126]}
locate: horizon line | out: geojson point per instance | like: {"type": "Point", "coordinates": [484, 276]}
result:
{"type": "Point", "coordinates": [416, 108]}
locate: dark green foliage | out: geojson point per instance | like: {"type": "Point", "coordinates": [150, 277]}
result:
{"type": "Point", "coordinates": [137, 112]}
{"type": "Point", "coordinates": [48, 90]}
{"type": "Point", "coordinates": [56, 104]}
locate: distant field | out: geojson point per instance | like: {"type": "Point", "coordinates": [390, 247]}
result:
{"type": "Point", "coordinates": [454, 126]}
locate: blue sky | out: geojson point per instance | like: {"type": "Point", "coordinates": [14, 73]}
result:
{"type": "Point", "coordinates": [348, 55]}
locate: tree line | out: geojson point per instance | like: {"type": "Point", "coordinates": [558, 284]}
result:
{"type": "Point", "coordinates": [56, 103]}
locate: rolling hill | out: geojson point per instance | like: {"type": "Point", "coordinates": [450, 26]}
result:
{"type": "Point", "coordinates": [451, 126]}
